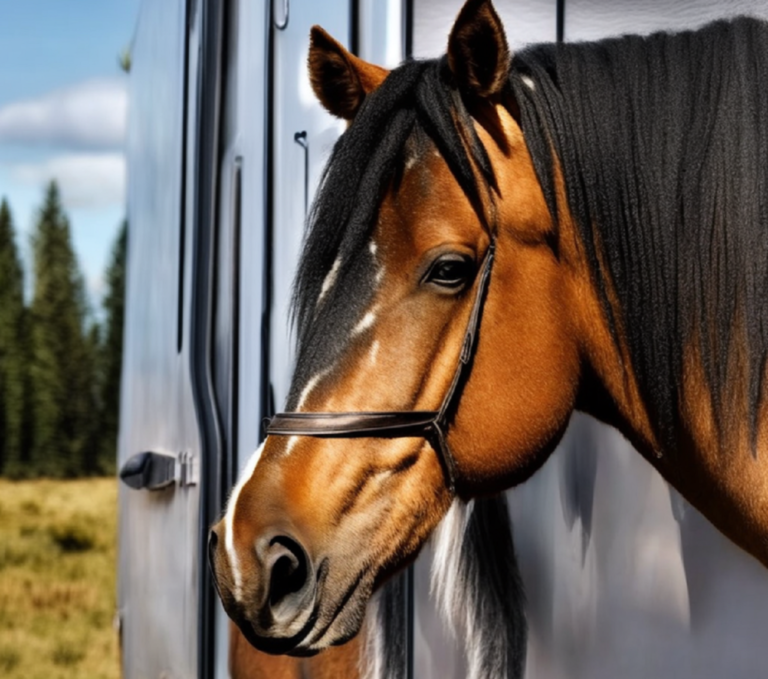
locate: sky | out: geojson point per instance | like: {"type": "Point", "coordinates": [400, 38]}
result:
{"type": "Point", "coordinates": [63, 107]}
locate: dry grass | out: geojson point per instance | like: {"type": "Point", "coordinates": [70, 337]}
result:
{"type": "Point", "coordinates": [57, 579]}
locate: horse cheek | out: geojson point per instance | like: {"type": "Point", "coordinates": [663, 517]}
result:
{"type": "Point", "coordinates": [525, 378]}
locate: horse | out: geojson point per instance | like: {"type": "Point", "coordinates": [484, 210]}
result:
{"type": "Point", "coordinates": [499, 240]}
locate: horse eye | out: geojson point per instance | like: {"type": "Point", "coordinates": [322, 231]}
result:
{"type": "Point", "coordinates": [450, 271]}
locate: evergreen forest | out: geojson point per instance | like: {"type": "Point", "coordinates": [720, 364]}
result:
{"type": "Point", "coordinates": [59, 366]}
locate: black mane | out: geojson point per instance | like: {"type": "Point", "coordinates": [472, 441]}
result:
{"type": "Point", "coordinates": [416, 98]}
{"type": "Point", "coordinates": [663, 144]}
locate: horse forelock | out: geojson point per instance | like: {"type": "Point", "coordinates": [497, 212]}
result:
{"type": "Point", "coordinates": [339, 271]}
{"type": "Point", "coordinates": [662, 142]}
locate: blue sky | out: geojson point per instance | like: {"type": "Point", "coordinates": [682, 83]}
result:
{"type": "Point", "coordinates": [63, 101]}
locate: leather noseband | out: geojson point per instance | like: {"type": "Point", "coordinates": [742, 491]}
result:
{"type": "Point", "coordinates": [429, 424]}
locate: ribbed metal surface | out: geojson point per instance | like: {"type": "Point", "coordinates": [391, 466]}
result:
{"type": "Point", "coordinates": [158, 567]}
{"type": "Point", "coordinates": [295, 109]}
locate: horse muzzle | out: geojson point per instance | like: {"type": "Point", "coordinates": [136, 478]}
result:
{"type": "Point", "coordinates": [270, 592]}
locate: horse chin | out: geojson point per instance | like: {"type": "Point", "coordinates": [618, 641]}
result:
{"type": "Point", "coordinates": [271, 645]}
{"type": "Point", "coordinates": [339, 633]}
{"type": "Point", "coordinates": [347, 613]}
{"type": "Point", "coordinates": [343, 628]}
{"type": "Point", "coordinates": [333, 621]}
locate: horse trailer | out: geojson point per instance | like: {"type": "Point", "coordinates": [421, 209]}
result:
{"type": "Point", "coordinates": [226, 147]}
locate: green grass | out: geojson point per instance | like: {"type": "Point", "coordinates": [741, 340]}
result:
{"type": "Point", "coordinates": [57, 579]}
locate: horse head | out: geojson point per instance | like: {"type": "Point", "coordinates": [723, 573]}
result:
{"type": "Point", "coordinates": [431, 245]}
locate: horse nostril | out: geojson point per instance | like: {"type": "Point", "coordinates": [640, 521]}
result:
{"type": "Point", "coordinates": [287, 566]}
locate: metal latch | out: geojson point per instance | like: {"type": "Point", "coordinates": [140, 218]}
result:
{"type": "Point", "coordinates": [150, 470]}
{"type": "Point", "coordinates": [188, 470]}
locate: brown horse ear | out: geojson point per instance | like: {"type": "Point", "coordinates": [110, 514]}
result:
{"type": "Point", "coordinates": [340, 79]}
{"type": "Point", "coordinates": [478, 54]}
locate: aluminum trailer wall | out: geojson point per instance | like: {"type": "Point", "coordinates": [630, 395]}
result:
{"type": "Point", "coordinates": [226, 145]}
{"type": "Point", "coordinates": [159, 531]}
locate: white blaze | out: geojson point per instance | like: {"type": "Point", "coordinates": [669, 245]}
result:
{"type": "Point", "coordinates": [229, 536]}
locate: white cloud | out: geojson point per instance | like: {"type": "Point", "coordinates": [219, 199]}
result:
{"type": "Point", "coordinates": [87, 115]}
{"type": "Point", "coordinates": [86, 180]}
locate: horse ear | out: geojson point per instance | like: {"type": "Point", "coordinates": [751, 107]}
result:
{"type": "Point", "coordinates": [478, 54]}
{"type": "Point", "coordinates": [340, 79]}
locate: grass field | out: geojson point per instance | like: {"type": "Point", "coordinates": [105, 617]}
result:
{"type": "Point", "coordinates": [57, 579]}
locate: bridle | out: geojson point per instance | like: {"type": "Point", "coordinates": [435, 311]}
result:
{"type": "Point", "coordinates": [429, 424]}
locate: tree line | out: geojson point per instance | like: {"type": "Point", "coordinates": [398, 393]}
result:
{"type": "Point", "coordinates": [59, 367]}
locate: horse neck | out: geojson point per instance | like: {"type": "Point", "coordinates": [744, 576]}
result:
{"type": "Point", "coordinates": [608, 389]}
{"type": "Point", "coordinates": [698, 436]}
{"type": "Point", "coordinates": [718, 475]}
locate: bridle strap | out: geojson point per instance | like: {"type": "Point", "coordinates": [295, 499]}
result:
{"type": "Point", "coordinates": [430, 424]}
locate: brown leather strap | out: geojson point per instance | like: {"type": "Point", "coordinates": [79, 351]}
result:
{"type": "Point", "coordinates": [431, 424]}
{"type": "Point", "coordinates": [395, 424]}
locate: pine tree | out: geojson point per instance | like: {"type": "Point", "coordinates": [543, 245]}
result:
{"type": "Point", "coordinates": [12, 342]}
{"type": "Point", "coordinates": [61, 371]}
{"type": "Point", "coordinates": [93, 431]}
{"type": "Point", "coordinates": [112, 352]}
